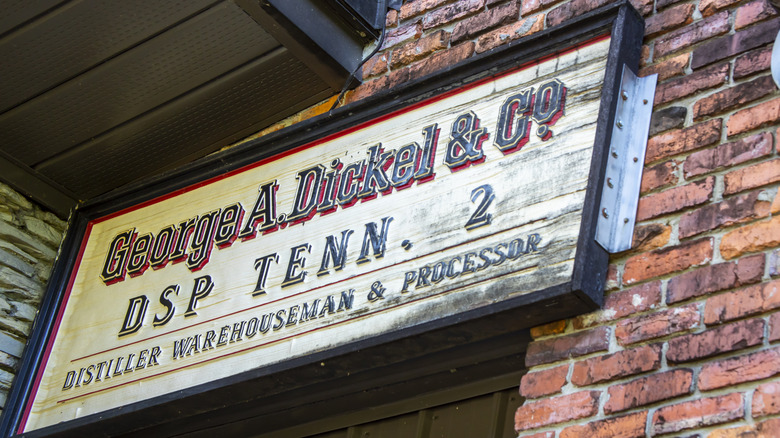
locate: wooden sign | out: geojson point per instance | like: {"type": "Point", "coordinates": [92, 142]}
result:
{"type": "Point", "coordinates": [466, 203]}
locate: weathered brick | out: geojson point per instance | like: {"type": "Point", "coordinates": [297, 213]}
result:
{"type": "Point", "coordinates": [733, 97]}
{"type": "Point", "coordinates": [564, 347]}
{"type": "Point", "coordinates": [379, 85]}
{"type": "Point", "coordinates": [375, 66]}
{"type": "Point", "coordinates": [511, 32]}
{"type": "Point", "coordinates": [419, 49]}
{"type": "Point", "coordinates": [557, 410]}
{"type": "Point", "coordinates": [683, 140]}
{"type": "Point", "coordinates": [722, 214]}
{"type": "Point", "coordinates": [627, 426]}
{"type": "Point", "coordinates": [754, 117]}
{"type": "Point", "coordinates": [572, 9]}
{"type": "Point", "coordinates": [753, 12]}
{"type": "Point", "coordinates": [441, 60]}
{"type": "Point", "coordinates": [751, 238]}
{"type": "Point", "coordinates": [650, 236]}
{"type": "Point", "coordinates": [668, 20]}
{"type": "Point", "coordinates": [548, 434]}
{"type": "Point", "coordinates": [616, 365]}
{"type": "Point", "coordinates": [703, 79]}
{"type": "Point", "coordinates": [450, 13]}
{"type": "Point", "coordinates": [528, 7]}
{"type": "Point", "coordinates": [698, 31]}
{"type": "Point", "coordinates": [668, 69]}
{"type": "Point", "coordinates": [766, 429]}
{"type": "Point", "coordinates": [660, 175]}
{"type": "Point", "coordinates": [667, 260]}
{"type": "Point", "coordinates": [542, 383]}
{"type": "Point", "coordinates": [722, 339]}
{"type": "Point", "coordinates": [709, 7]}
{"type": "Point", "coordinates": [734, 44]}
{"type": "Point", "coordinates": [740, 303]}
{"type": "Point", "coordinates": [622, 303]}
{"type": "Point", "coordinates": [774, 327]}
{"type": "Point", "coordinates": [650, 389]}
{"type": "Point", "coordinates": [750, 63]}
{"type": "Point", "coordinates": [675, 199]}
{"type": "Point", "coordinates": [400, 35]}
{"type": "Point", "coordinates": [644, 7]}
{"type": "Point", "coordinates": [766, 401]}
{"type": "Point", "coordinates": [657, 324]}
{"type": "Point", "coordinates": [490, 19]}
{"type": "Point", "coordinates": [666, 119]}
{"type": "Point", "coordinates": [734, 370]}
{"type": "Point", "coordinates": [757, 175]}
{"type": "Point", "coordinates": [417, 7]}
{"type": "Point", "coordinates": [715, 278]}
{"type": "Point", "coordinates": [552, 328]}
{"type": "Point", "coordinates": [391, 20]}
{"type": "Point", "coordinates": [728, 154]}
{"type": "Point", "coordinates": [697, 413]}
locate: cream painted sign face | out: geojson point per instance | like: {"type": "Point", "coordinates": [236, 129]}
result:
{"type": "Point", "coordinates": [459, 202]}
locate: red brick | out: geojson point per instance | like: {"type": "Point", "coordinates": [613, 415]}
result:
{"type": "Point", "coordinates": [511, 32]}
{"type": "Point", "coordinates": [668, 69]}
{"type": "Point", "coordinates": [692, 34]}
{"type": "Point", "coordinates": [722, 214]}
{"type": "Point", "coordinates": [754, 117]}
{"type": "Point", "coordinates": [734, 370]}
{"type": "Point", "coordinates": [660, 175]}
{"type": "Point", "coordinates": [627, 426]}
{"type": "Point", "coordinates": [616, 365]}
{"type": "Point", "coordinates": [572, 9]}
{"type": "Point", "coordinates": [675, 199]}
{"type": "Point", "coordinates": [450, 13]}
{"type": "Point", "coordinates": [667, 260]}
{"type": "Point", "coordinates": [774, 327]}
{"type": "Point", "coordinates": [391, 20]}
{"type": "Point", "coordinates": [683, 140]}
{"type": "Point", "coordinates": [766, 401]}
{"type": "Point", "coordinates": [542, 383]}
{"type": "Point", "coordinates": [660, 4]}
{"type": "Point", "coordinates": [419, 49]}
{"type": "Point", "coordinates": [668, 20]}
{"type": "Point", "coordinates": [553, 328]}
{"type": "Point", "coordinates": [650, 389]}
{"type": "Point", "coordinates": [703, 79]}
{"type": "Point", "coordinates": [378, 85]}
{"type": "Point", "coordinates": [441, 60]}
{"type": "Point", "coordinates": [490, 19]}
{"type": "Point", "coordinates": [375, 66]}
{"type": "Point", "coordinates": [549, 434]}
{"type": "Point", "coordinates": [728, 154]}
{"type": "Point", "coordinates": [733, 97]}
{"type": "Point", "coordinates": [402, 34]}
{"type": "Point", "coordinates": [757, 175]}
{"type": "Point", "coordinates": [657, 324]}
{"type": "Point", "coordinates": [612, 281]}
{"type": "Point", "coordinates": [715, 278]}
{"type": "Point", "coordinates": [672, 117]}
{"type": "Point", "coordinates": [766, 429]}
{"type": "Point", "coordinates": [722, 339]}
{"type": "Point", "coordinates": [753, 12]}
{"type": "Point", "coordinates": [751, 238]}
{"type": "Point", "coordinates": [650, 236]}
{"type": "Point", "coordinates": [709, 7]}
{"type": "Point", "coordinates": [417, 7]}
{"type": "Point", "coordinates": [557, 410]}
{"type": "Point", "coordinates": [756, 61]}
{"type": "Point", "coordinates": [528, 7]}
{"type": "Point", "coordinates": [564, 347]}
{"type": "Point", "coordinates": [749, 301]}
{"type": "Point", "coordinates": [644, 7]}
{"type": "Point", "coordinates": [623, 303]}
{"type": "Point", "coordinates": [697, 413]}
{"type": "Point", "coordinates": [734, 44]}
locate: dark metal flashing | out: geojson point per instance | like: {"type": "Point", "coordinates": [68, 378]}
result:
{"type": "Point", "coordinates": [37, 187]}
{"type": "Point", "coordinates": [480, 340]}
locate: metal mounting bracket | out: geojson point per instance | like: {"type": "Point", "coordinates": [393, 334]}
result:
{"type": "Point", "coordinates": [620, 193]}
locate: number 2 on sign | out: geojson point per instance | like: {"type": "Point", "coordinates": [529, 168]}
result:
{"type": "Point", "coordinates": [481, 217]}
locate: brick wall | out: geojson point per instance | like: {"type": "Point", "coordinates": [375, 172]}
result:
{"type": "Point", "coordinates": [687, 342]}
{"type": "Point", "coordinates": [29, 238]}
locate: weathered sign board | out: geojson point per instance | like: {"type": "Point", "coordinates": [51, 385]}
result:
{"type": "Point", "coordinates": [457, 203]}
